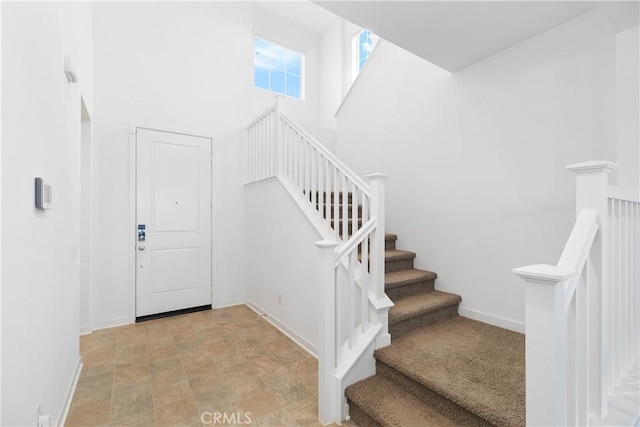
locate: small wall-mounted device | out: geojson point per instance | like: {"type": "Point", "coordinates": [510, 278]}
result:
{"type": "Point", "coordinates": [44, 195]}
{"type": "Point", "coordinates": [142, 233]}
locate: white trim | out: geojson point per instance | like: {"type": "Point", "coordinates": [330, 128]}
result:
{"type": "Point", "coordinates": [112, 323]}
{"type": "Point", "coordinates": [491, 319]}
{"type": "Point", "coordinates": [85, 329]}
{"type": "Point", "coordinates": [133, 131]}
{"type": "Point", "coordinates": [302, 342]}
{"type": "Point", "coordinates": [70, 392]}
{"type": "Point", "coordinates": [356, 82]}
{"type": "Point", "coordinates": [228, 303]}
{"type": "Point", "coordinates": [625, 194]}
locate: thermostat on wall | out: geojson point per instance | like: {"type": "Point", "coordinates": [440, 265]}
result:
{"type": "Point", "coordinates": [43, 195]}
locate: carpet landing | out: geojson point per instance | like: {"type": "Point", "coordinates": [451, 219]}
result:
{"type": "Point", "coordinates": [440, 369]}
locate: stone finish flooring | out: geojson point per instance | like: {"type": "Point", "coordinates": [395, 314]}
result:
{"type": "Point", "coordinates": [171, 371]}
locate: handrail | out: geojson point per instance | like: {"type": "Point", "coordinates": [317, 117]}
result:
{"type": "Point", "coordinates": [352, 244]}
{"type": "Point", "coordinates": [329, 155]}
{"type": "Point", "coordinates": [623, 194]}
{"type": "Point", "coordinates": [349, 214]}
{"type": "Point", "coordinates": [578, 245]}
{"type": "Point", "coordinates": [582, 329]}
{"type": "Point", "coordinates": [261, 116]}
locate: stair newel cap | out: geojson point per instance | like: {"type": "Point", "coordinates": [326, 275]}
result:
{"type": "Point", "coordinates": [544, 274]}
{"type": "Point", "coordinates": [326, 244]}
{"type": "Point", "coordinates": [592, 167]}
{"type": "Point", "coordinates": [377, 176]}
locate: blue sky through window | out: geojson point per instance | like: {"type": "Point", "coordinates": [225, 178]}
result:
{"type": "Point", "coordinates": [365, 46]}
{"type": "Point", "coordinates": [277, 68]}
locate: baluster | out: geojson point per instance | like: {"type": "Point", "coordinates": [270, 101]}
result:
{"type": "Point", "coordinates": [617, 286]}
{"type": "Point", "coordinates": [635, 285]}
{"type": "Point", "coordinates": [344, 220]}
{"type": "Point", "coordinates": [314, 177]}
{"type": "Point", "coordinates": [321, 180]}
{"type": "Point", "coordinates": [296, 159]}
{"type": "Point", "coordinates": [354, 209]}
{"type": "Point", "coordinates": [327, 189]}
{"type": "Point", "coordinates": [625, 313]}
{"type": "Point", "coordinates": [364, 297]}
{"type": "Point", "coordinates": [334, 200]}
{"type": "Point", "coordinates": [351, 298]}
{"type": "Point", "coordinates": [250, 154]}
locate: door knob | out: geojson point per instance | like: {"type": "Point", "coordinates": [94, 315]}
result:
{"type": "Point", "coordinates": [141, 248]}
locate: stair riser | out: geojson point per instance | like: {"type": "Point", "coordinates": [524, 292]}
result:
{"type": "Point", "coordinates": [410, 290]}
{"type": "Point", "coordinates": [389, 245]}
{"type": "Point", "coordinates": [400, 328]}
{"type": "Point", "coordinates": [360, 417]}
{"type": "Point", "coordinates": [398, 265]}
{"type": "Point", "coordinates": [459, 414]}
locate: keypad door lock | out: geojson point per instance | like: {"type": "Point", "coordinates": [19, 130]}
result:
{"type": "Point", "coordinates": [142, 236]}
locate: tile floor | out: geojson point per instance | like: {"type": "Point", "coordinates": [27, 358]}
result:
{"type": "Point", "coordinates": [170, 371]}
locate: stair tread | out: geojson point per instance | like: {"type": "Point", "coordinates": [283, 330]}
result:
{"type": "Point", "coordinates": [416, 305]}
{"type": "Point", "coordinates": [390, 236]}
{"type": "Point", "coordinates": [479, 367]}
{"type": "Point", "coordinates": [407, 277]}
{"type": "Point", "coordinates": [395, 254]}
{"type": "Point", "coordinates": [388, 404]}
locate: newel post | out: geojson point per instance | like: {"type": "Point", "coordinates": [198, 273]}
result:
{"type": "Point", "coordinates": [545, 344]}
{"type": "Point", "coordinates": [378, 183]}
{"type": "Point", "coordinates": [329, 393]}
{"type": "Point", "coordinates": [592, 181]}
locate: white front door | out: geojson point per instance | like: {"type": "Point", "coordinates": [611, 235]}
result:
{"type": "Point", "coordinates": [173, 256]}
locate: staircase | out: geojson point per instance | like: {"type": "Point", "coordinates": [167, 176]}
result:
{"type": "Point", "coordinates": [440, 369]}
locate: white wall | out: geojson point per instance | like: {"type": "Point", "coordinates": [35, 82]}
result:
{"type": "Point", "coordinates": [627, 111]}
{"type": "Point", "coordinates": [476, 159]}
{"type": "Point", "coordinates": [184, 66]}
{"type": "Point", "coordinates": [41, 137]}
{"type": "Point", "coordinates": [282, 262]}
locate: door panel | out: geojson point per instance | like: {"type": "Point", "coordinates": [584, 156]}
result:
{"type": "Point", "coordinates": [173, 263]}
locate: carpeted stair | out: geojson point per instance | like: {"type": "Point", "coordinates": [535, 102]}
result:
{"type": "Point", "coordinates": [441, 369]}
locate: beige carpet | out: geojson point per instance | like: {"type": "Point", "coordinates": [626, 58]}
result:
{"type": "Point", "coordinates": [441, 369]}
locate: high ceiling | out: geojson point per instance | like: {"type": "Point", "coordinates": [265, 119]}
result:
{"type": "Point", "coordinates": [455, 34]}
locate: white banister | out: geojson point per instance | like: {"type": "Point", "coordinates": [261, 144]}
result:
{"type": "Point", "coordinates": [545, 347]}
{"type": "Point", "coordinates": [582, 332]}
{"type": "Point", "coordinates": [328, 386]}
{"type": "Point", "coordinates": [349, 214]}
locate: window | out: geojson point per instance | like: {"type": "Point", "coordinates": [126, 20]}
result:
{"type": "Point", "coordinates": [363, 44]}
{"type": "Point", "coordinates": [277, 68]}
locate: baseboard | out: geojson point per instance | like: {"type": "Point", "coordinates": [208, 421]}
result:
{"type": "Point", "coordinates": [70, 393]}
{"type": "Point", "coordinates": [491, 319]}
{"type": "Point", "coordinates": [112, 323]}
{"type": "Point", "coordinates": [85, 329]}
{"type": "Point", "coordinates": [302, 342]}
{"type": "Point", "coordinates": [228, 303]}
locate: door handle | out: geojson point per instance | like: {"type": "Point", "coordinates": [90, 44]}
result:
{"type": "Point", "coordinates": [141, 248]}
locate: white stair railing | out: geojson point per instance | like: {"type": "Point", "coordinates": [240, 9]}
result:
{"type": "Point", "coordinates": [349, 214]}
{"type": "Point", "coordinates": [581, 316]}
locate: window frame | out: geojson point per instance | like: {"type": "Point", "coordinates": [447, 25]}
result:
{"type": "Point", "coordinates": [355, 51]}
{"type": "Point", "coordinates": [287, 48]}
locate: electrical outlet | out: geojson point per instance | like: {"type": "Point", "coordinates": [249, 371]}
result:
{"type": "Point", "coordinates": [44, 420]}
{"type": "Point", "coordinates": [279, 299]}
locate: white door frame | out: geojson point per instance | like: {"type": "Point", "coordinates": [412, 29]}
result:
{"type": "Point", "coordinates": [133, 229]}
